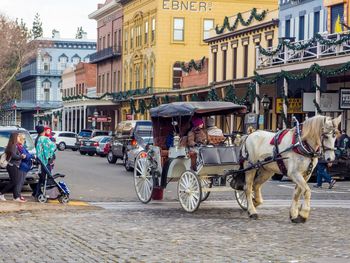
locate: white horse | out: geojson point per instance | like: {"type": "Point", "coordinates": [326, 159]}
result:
{"type": "Point", "coordinates": [317, 135]}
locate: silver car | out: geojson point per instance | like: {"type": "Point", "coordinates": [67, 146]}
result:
{"type": "Point", "coordinates": [135, 147]}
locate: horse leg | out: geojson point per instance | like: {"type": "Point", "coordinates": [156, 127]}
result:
{"type": "Point", "coordinates": [301, 188]}
{"type": "Point", "coordinates": [260, 179]}
{"type": "Point", "coordinates": [249, 180]}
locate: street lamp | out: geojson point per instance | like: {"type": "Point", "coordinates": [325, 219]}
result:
{"type": "Point", "coordinates": [266, 104]}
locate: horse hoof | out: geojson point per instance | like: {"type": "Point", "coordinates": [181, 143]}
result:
{"type": "Point", "coordinates": [254, 216]}
{"type": "Point", "coordinates": [298, 220]}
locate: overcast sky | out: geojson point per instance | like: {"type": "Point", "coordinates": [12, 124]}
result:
{"type": "Point", "coordinates": [63, 15]}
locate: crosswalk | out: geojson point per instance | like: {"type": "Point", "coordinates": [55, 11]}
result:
{"type": "Point", "coordinates": [229, 204]}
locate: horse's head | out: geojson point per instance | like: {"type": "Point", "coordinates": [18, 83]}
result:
{"type": "Point", "coordinates": [328, 137]}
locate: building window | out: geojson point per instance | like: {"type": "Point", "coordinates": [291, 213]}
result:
{"type": "Point", "coordinates": [46, 86]}
{"type": "Point", "coordinates": [178, 29]}
{"type": "Point", "coordinates": [153, 34]}
{"type": "Point", "coordinates": [76, 59]}
{"type": "Point", "coordinates": [114, 81]}
{"type": "Point", "coordinates": [234, 63]}
{"type": "Point", "coordinates": [152, 74]}
{"type": "Point", "coordinates": [46, 64]}
{"type": "Point", "coordinates": [103, 82]}
{"type": "Point", "coordinates": [337, 12]}
{"type": "Point", "coordinates": [119, 38]}
{"type": "Point", "coordinates": [145, 75]}
{"type": "Point", "coordinates": [316, 22]}
{"type": "Point", "coordinates": [108, 40]}
{"type": "Point", "coordinates": [208, 24]}
{"type": "Point", "coordinates": [269, 43]}
{"type": "Point", "coordinates": [126, 40]}
{"type": "Point", "coordinates": [215, 58]}
{"type": "Point", "coordinates": [137, 77]}
{"type": "Point", "coordinates": [138, 36]}
{"type": "Point", "coordinates": [119, 81]}
{"type": "Point", "coordinates": [224, 64]}
{"type": "Point", "coordinates": [131, 38]}
{"type": "Point", "coordinates": [301, 27]}
{"type": "Point", "coordinates": [99, 85]}
{"type": "Point", "coordinates": [115, 40]}
{"type": "Point", "coordinates": [245, 61]}
{"type": "Point", "coordinates": [146, 32]}
{"type": "Point", "coordinates": [107, 82]}
{"type": "Point", "coordinates": [125, 72]}
{"type": "Point", "coordinates": [62, 62]}
{"type": "Point", "coordinates": [104, 42]}
{"type": "Point", "coordinates": [287, 28]}
{"type": "Point", "coordinates": [130, 78]}
{"type": "Point", "coordinates": [100, 45]}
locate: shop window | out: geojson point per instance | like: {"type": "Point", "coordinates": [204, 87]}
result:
{"type": "Point", "coordinates": [178, 29]}
{"type": "Point", "coordinates": [208, 25]}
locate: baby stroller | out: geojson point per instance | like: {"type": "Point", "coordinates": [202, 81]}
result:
{"type": "Point", "coordinates": [51, 189]}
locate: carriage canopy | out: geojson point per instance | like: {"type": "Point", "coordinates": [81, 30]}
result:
{"type": "Point", "coordinates": [203, 108]}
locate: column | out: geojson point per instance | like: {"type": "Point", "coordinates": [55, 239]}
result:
{"type": "Point", "coordinates": [318, 92]}
{"type": "Point", "coordinates": [76, 120]}
{"type": "Point", "coordinates": [80, 119]}
{"type": "Point", "coordinates": [256, 106]}
{"type": "Point", "coordinates": [285, 108]}
{"type": "Point", "coordinates": [84, 118]}
{"type": "Point", "coordinates": [63, 128]}
{"type": "Point", "coordinates": [71, 119]}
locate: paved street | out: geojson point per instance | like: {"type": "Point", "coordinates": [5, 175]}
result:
{"type": "Point", "coordinates": [112, 231]}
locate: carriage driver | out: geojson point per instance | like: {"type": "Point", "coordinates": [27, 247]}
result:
{"type": "Point", "coordinates": [197, 135]}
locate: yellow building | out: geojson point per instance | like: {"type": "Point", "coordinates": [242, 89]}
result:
{"type": "Point", "coordinates": [337, 9]}
{"type": "Point", "coordinates": [158, 33]}
{"type": "Point", "coordinates": [233, 50]}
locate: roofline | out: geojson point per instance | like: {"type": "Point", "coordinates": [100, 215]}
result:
{"type": "Point", "coordinates": [273, 22]}
{"type": "Point", "coordinates": [97, 14]}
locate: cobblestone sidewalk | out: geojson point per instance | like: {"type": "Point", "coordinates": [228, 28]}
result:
{"type": "Point", "coordinates": [171, 235]}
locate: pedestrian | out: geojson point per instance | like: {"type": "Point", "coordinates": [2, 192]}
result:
{"type": "Point", "coordinates": [323, 175]}
{"type": "Point", "coordinates": [45, 150]}
{"type": "Point", "coordinates": [26, 164]}
{"type": "Point", "coordinates": [14, 158]}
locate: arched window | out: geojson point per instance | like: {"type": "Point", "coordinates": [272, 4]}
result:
{"type": "Point", "coordinates": [46, 84]}
{"type": "Point", "coordinates": [46, 62]}
{"type": "Point", "coordinates": [145, 75]}
{"type": "Point", "coordinates": [62, 62]}
{"type": "Point", "coordinates": [76, 59]}
{"type": "Point", "coordinates": [130, 78]}
{"type": "Point", "coordinates": [152, 74]}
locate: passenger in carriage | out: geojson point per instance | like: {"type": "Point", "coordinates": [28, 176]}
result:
{"type": "Point", "coordinates": [197, 135]}
{"type": "Point", "coordinates": [215, 135]}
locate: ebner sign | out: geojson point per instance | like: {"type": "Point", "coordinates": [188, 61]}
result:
{"type": "Point", "coordinates": [183, 5]}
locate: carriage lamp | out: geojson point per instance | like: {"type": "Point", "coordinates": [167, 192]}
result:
{"type": "Point", "coordinates": [176, 141]}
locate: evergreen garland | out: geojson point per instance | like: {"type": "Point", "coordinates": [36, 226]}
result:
{"type": "Point", "coordinates": [212, 95]}
{"type": "Point", "coordinates": [239, 18]}
{"type": "Point", "coordinates": [192, 65]}
{"type": "Point", "coordinates": [304, 45]}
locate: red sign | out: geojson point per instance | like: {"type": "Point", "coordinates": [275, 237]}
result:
{"type": "Point", "coordinates": [99, 119]}
{"type": "Point", "coordinates": [129, 117]}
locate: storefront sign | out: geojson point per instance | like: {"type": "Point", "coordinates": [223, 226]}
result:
{"type": "Point", "coordinates": [295, 105]}
{"type": "Point", "coordinates": [99, 119]}
{"type": "Point", "coordinates": [183, 5]}
{"type": "Point", "coordinates": [344, 99]}
{"type": "Point", "coordinates": [329, 102]}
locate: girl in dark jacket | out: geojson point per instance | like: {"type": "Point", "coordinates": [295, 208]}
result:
{"type": "Point", "coordinates": [26, 164]}
{"type": "Point", "coordinates": [14, 158]}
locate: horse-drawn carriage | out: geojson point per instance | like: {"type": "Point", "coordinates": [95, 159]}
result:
{"type": "Point", "coordinates": [194, 169]}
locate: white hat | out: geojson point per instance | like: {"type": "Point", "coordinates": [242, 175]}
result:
{"type": "Point", "coordinates": [210, 122]}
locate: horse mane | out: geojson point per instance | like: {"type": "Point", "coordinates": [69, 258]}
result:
{"type": "Point", "coordinates": [312, 129]}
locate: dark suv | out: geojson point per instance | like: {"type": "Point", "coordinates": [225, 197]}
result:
{"type": "Point", "coordinates": [5, 133]}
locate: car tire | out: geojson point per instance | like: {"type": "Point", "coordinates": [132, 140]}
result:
{"type": "Point", "coordinates": [111, 158]}
{"type": "Point", "coordinates": [102, 155]}
{"type": "Point", "coordinates": [82, 153]}
{"type": "Point", "coordinates": [61, 146]}
{"type": "Point", "coordinates": [74, 149]}
{"type": "Point", "coordinates": [91, 154]}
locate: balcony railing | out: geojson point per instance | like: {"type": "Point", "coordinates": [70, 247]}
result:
{"type": "Point", "coordinates": [105, 54]}
{"type": "Point", "coordinates": [31, 105]}
{"type": "Point", "coordinates": [295, 52]}
{"type": "Point", "coordinates": [39, 72]}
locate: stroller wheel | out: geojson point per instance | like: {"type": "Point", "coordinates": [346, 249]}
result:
{"type": "Point", "coordinates": [42, 198]}
{"type": "Point", "coordinates": [63, 199]}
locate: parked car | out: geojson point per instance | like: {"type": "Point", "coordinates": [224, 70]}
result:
{"type": "Point", "coordinates": [65, 140]}
{"type": "Point", "coordinates": [5, 132]}
{"type": "Point", "coordinates": [135, 147]}
{"type": "Point", "coordinates": [94, 145]}
{"type": "Point", "coordinates": [88, 134]}
{"type": "Point", "coordinates": [129, 137]}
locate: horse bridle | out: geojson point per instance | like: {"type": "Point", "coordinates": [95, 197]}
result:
{"type": "Point", "coordinates": [325, 135]}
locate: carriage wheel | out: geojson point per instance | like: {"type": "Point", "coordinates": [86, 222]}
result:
{"type": "Point", "coordinates": [205, 183]}
{"type": "Point", "coordinates": [143, 179]}
{"type": "Point", "coordinates": [189, 191]}
{"type": "Point", "coordinates": [241, 198]}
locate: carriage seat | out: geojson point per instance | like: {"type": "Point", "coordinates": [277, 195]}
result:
{"type": "Point", "coordinates": [219, 155]}
{"type": "Point", "coordinates": [215, 140]}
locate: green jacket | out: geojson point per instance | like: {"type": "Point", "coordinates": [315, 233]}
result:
{"type": "Point", "coordinates": [45, 149]}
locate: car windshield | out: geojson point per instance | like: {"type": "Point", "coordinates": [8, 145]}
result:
{"type": "Point", "coordinates": [101, 133]}
{"type": "Point", "coordinates": [5, 136]}
{"type": "Point", "coordinates": [85, 134]}
{"type": "Point", "coordinates": [143, 131]}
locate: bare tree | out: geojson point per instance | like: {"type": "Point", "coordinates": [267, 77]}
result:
{"type": "Point", "coordinates": [15, 50]}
